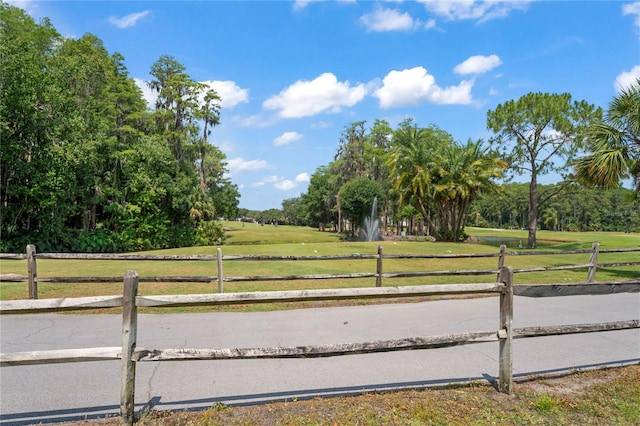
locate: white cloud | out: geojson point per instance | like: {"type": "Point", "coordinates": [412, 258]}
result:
{"type": "Point", "coordinates": [129, 20]}
{"type": "Point", "coordinates": [238, 164]}
{"type": "Point", "coordinates": [301, 4]}
{"type": "Point", "coordinates": [258, 120]}
{"type": "Point", "coordinates": [303, 177]}
{"type": "Point", "coordinates": [287, 138]}
{"type": "Point", "coordinates": [478, 64]}
{"type": "Point", "coordinates": [477, 10]}
{"type": "Point", "coordinates": [431, 23]}
{"type": "Point", "coordinates": [285, 185]}
{"type": "Point", "coordinates": [307, 98]}
{"type": "Point", "coordinates": [633, 9]}
{"type": "Point", "coordinates": [28, 6]}
{"type": "Point", "coordinates": [381, 20]}
{"type": "Point", "coordinates": [282, 183]}
{"type": "Point", "coordinates": [412, 87]}
{"type": "Point", "coordinates": [320, 125]}
{"type": "Point", "coordinates": [230, 93]}
{"type": "Point", "coordinates": [149, 95]}
{"type": "Point", "coordinates": [626, 78]}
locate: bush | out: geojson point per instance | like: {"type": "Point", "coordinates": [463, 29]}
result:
{"type": "Point", "coordinates": [209, 233]}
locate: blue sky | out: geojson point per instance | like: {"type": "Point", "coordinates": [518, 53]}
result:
{"type": "Point", "coordinates": [293, 74]}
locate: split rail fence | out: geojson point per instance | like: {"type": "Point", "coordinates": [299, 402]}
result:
{"type": "Point", "coordinates": [129, 354]}
{"type": "Point", "coordinates": [32, 256]}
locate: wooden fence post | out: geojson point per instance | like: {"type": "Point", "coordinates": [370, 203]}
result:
{"type": "Point", "coordinates": [32, 271]}
{"type": "Point", "coordinates": [220, 273]}
{"type": "Point", "coordinates": [505, 333]}
{"type": "Point", "coordinates": [379, 267]}
{"type": "Point", "coordinates": [129, 336]}
{"type": "Point", "coordinates": [591, 275]}
{"type": "Point", "coordinates": [503, 249]}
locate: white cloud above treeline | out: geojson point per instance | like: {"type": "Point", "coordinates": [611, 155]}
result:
{"type": "Point", "coordinates": [478, 64]}
{"type": "Point", "coordinates": [239, 164]}
{"type": "Point", "coordinates": [281, 183]}
{"type": "Point", "coordinates": [415, 86]}
{"type": "Point", "coordinates": [322, 94]}
{"type": "Point", "coordinates": [633, 9]}
{"type": "Point", "coordinates": [129, 20]}
{"type": "Point", "coordinates": [627, 78]}
{"type": "Point", "coordinates": [383, 20]}
{"type": "Point", "coordinates": [286, 138]}
{"type": "Point", "coordinates": [288, 184]}
{"type": "Point", "coordinates": [475, 10]}
{"type": "Point", "coordinates": [230, 93]}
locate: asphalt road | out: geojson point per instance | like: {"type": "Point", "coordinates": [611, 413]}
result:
{"type": "Point", "coordinates": [64, 392]}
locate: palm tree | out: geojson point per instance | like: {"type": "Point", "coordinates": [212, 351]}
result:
{"type": "Point", "coordinates": [614, 143]}
{"type": "Point", "coordinates": [466, 171]}
{"type": "Point", "coordinates": [411, 166]}
{"type": "Point", "coordinates": [209, 113]}
{"type": "Point", "coordinates": [441, 178]}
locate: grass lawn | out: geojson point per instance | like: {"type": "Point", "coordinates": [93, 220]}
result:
{"type": "Point", "coordinates": [255, 239]}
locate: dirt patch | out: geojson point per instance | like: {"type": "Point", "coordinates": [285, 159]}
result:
{"type": "Point", "coordinates": [574, 384]}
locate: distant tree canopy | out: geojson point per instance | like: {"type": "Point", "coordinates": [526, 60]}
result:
{"type": "Point", "coordinates": [579, 209]}
{"type": "Point", "coordinates": [85, 166]}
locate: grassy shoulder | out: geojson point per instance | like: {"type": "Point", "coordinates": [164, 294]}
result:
{"type": "Point", "coordinates": [604, 397]}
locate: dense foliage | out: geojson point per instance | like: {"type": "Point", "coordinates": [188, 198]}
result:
{"type": "Point", "coordinates": [579, 209]}
{"type": "Point", "coordinates": [614, 144]}
{"type": "Point", "coordinates": [85, 165]}
{"type": "Point", "coordinates": [410, 171]}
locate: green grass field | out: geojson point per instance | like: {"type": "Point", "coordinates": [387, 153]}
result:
{"type": "Point", "coordinates": [254, 239]}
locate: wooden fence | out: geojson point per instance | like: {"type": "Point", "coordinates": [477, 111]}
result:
{"type": "Point", "coordinates": [32, 277]}
{"type": "Point", "coordinates": [130, 354]}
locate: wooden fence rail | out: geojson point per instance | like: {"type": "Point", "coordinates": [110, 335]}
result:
{"type": "Point", "coordinates": [129, 354]}
{"type": "Point", "coordinates": [32, 277]}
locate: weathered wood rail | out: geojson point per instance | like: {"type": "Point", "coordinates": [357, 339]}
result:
{"type": "Point", "coordinates": [32, 277]}
{"type": "Point", "coordinates": [129, 354]}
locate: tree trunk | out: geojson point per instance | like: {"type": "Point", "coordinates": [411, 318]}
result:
{"type": "Point", "coordinates": [533, 210]}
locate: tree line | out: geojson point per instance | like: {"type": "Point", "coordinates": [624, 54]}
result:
{"type": "Point", "coordinates": [435, 186]}
{"type": "Point", "coordinates": [85, 165]}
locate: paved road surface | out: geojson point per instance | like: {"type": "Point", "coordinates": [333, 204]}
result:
{"type": "Point", "coordinates": [62, 392]}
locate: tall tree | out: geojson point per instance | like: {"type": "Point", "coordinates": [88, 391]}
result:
{"type": "Point", "coordinates": [614, 143]}
{"type": "Point", "coordinates": [27, 106]}
{"type": "Point", "coordinates": [209, 113]}
{"type": "Point", "coordinates": [412, 166]}
{"type": "Point", "coordinates": [318, 199]}
{"type": "Point", "coordinates": [176, 104]}
{"type": "Point", "coordinates": [541, 133]}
